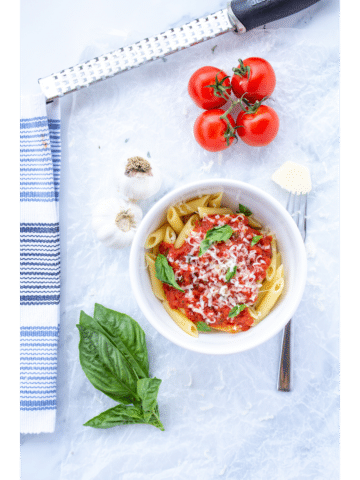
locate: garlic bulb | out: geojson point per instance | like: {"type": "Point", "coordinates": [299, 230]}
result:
{"type": "Point", "coordinates": [114, 222]}
{"type": "Point", "coordinates": [138, 180]}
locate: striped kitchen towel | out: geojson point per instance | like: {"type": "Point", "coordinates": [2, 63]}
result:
{"type": "Point", "coordinates": [40, 155]}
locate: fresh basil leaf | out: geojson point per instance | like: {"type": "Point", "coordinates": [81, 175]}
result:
{"type": "Point", "coordinates": [230, 273]}
{"type": "Point", "coordinates": [155, 419]}
{"type": "Point", "coordinates": [255, 239]}
{"type": "Point", "coordinates": [204, 245]}
{"type": "Point", "coordinates": [113, 355]}
{"type": "Point", "coordinates": [123, 415]}
{"type": "Point", "coordinates": [236, 310]}
{"type": "Point", "coordinates": [203, 327]}
{"type": "Point", "coordinates": [244, 210]}
{"type": "Point", "coordinates": [216, 234]}
{"type": "Point", "coordinates": [104, 367]}
{"type": "Point", "coordinates": [147, 389]}
{"type": "Point", "coordinates": [87, 321]}
{"type": "Point", "coordinates": [126, 335]}
{"type": "Point", "coordinates": [119, 415]}
{"type": "Point", "coordinates": [165, 273]}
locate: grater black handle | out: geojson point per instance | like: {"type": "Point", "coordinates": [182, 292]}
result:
{"type": "Point", "coordinates": [254, 13]}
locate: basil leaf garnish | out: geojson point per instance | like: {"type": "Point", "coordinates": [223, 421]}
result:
{"type": "Point", "coordinates": [148, 389]}
{"type": "Point", "coordinates": [236, 310]}
{"type": "Point", "coordinates": [255, 239]}
{"type": "Point", "coordinates": [230, 273]}
{"type": "Point", "coordinates": [104, 368]}
{"type": "Point", "coordinates": [113, 356]}
{"type": "Point", "coordinates": [244, 210]}
{"type": "Point", "coordinates": [123, 415]}
{"type": "Point", "coordinates": [203, 327]}
{"type": "Point", "coordinates": [216, 234]}
{"type": "Point", "coordinates": [165, 273]}
{"type": "Point", "coordinates": [119, 415]}
{"type": "Point", "coordinates": [126, 335]}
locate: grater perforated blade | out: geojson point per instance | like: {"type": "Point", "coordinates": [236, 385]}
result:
{"type": "Point", "coordinates": [239, 16]}
{"type": "Point", "coordinates": [126, 58]}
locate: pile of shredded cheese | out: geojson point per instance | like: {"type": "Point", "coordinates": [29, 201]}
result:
{"type": "Point", "coordinates": [209, 270]}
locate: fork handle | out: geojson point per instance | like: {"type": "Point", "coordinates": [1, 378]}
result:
{"type": "Point", "coordinates": [285, 364]}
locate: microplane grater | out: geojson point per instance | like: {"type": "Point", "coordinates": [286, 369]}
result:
{"type": "Point", "coordinates": [240, 16]}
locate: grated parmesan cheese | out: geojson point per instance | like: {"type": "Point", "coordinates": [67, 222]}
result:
{"type": "Point", "coordinates": [209, 294]}
{"type": "Point", "coordinates": [293, 177]}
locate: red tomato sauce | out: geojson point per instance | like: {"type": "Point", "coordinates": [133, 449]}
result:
{"type": "Point", "coordinates": [209, 295]}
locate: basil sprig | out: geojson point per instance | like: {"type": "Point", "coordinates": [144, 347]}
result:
{"type": "Point", "coordinates": [236, 310]}
{"type": "Point", "coordinates": [255, 239]}
{"type": "Point", "coordinates": [165, 273]}
{"type": "Point", "coordinates": [203, 327]}
{"type": "Point", "coordinates": [113, 356]}
{"type": "Point", "coordinates": [230, 273]}
{"type": "Point", "coordinates": [244, 210]}
{"type": "Point", "coordinates": [216, 234]}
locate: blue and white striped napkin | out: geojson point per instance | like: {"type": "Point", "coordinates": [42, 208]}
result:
{"type": "Point", "coordinates": [40, 155]}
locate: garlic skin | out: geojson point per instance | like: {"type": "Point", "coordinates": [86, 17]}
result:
{"type": "Point", "coordinates": [115, 221]}
{"type": "Point", "coordinates": [138, 179]}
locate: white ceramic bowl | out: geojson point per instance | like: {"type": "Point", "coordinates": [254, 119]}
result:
{"type": "Point", "coordinates": [272, 214]}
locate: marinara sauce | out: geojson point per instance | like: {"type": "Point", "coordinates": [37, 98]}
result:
{"type": "Point", "coordinates": [209, 292]}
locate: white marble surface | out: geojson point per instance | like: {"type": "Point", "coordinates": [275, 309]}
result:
{"type": "Point", "coordinates": [223, 416]}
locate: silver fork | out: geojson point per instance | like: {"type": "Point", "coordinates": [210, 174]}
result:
{"type": "Point", "coordinates": [297, 207]}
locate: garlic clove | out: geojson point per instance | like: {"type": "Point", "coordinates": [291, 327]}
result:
{"type": "Point", "coordinates": [106, 234]}
{"type": "Point", "coordinates": [138, 179]}
{"type": "Point", "coordinates": [115, 222]}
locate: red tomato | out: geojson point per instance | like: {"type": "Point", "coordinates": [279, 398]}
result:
{"type": "Point", "coordinates": [255, 78]}
{"type": "Point", "coordinates": [204, 96]}
{"type": "Point", "coordinates": [259, 128]}
{"type": "Point", "coordinates": [210, 130]}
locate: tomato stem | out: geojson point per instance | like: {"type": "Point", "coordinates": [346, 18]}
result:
{"type": "Point", "coordinates": [241, 70]}
{"type": "Point", "coordinates": [230, 131]}
{"type": "Point", "coordinates": [220, 90]}
{"type": "Point", "coordinates": [252, 107]}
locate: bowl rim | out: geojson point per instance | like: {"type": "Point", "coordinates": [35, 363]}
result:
{"type": "Point", "coordinates": [137, 246]}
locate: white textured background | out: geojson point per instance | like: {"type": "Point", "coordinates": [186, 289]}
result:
{"type": "Point", "coordinates": [223, 416]}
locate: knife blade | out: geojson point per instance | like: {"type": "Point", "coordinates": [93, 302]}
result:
{"type": "Point", "coordinates": [240, 16]}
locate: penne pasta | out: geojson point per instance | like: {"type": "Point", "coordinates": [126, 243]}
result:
{"type": "Point", "coordinates": [278, 260]}
{"type": "Point", "coordinates": [181, 320]}
{"type": "Point", "coordinates": [215, 200]}
{"type": "Point", "coordinates": [155, 250]}
{"type": "Point", "coordinates": [174, 219]}
{"type": "Point", "coordinates": [227, 328]}
{"type": "Point", "coordinates": [272, 267]}
{"type": "Point", "coordinates": [189, 225]}
{"type": "Point", "coordinates": [254, 223]}
{"type": "Point", "coordinates": [170, 235]}
{"type": "Point", "coordinates": [253, 313]}
{"type": "Point", "coordinates": [191, 206]}
{"type": "Point", "coordinates": [267, 284]}
{"type": "Point", "coordinates": [269, 300]}
{"type": "Point", "coordinates": [155, 237]}
{"type": "Point", "coordinates": [203, 211]}
{"type": "Point", "coordinates": [156, 284]}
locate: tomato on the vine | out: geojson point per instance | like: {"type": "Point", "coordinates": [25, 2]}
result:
{"type": "Point", "coordinates": [212, 132]}
{"type": "Point", "coordinates": [203, 84]}
{"type": "Point", "coordinates": [258, 128]}
{"type": "Point", "coordinates": [254, 78]}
